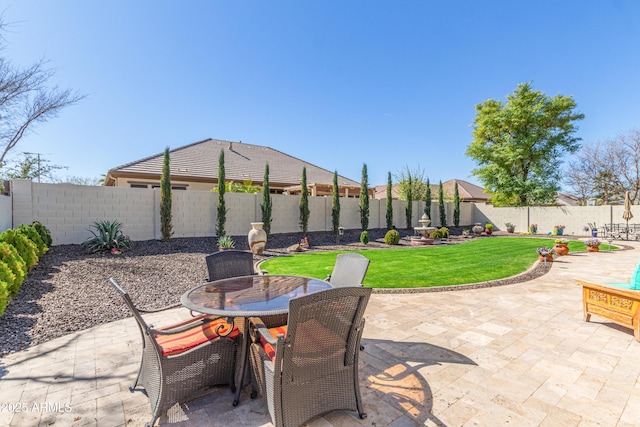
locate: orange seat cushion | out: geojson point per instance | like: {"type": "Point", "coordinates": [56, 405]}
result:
{"type": "Point", "coordinates": [268, 348]}
{"type": "Point", "coordinates": [183, 341]}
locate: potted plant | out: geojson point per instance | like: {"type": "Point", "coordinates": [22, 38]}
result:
{"type": "Point", "coordinates": [465, 233]}
{"type": "Point", "coordinates": [477, 229]}
{"type": "Point", "coordinates": [593, 245]}
{"type": "Point", "coordinates": [533, 228]}
{"type": "Point", "coordinates": [545, 254]}
{"type": "Point", "coordinates": [488, 228]}
{"type": "Point", "coordinates": [510, 227]}
{"type": "Point", "coordinates": [561, 246]}
{"type": "Point", "coordinates": [225, 243]}
{"type": "Point", "coordinates": [558, 230]}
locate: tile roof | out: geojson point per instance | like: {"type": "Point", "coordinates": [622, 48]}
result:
{"type": "Point", "coordinates": [199, 161]}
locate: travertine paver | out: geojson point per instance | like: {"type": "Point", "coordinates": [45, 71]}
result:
{"type": "Point", "coordinates": [517, 354]}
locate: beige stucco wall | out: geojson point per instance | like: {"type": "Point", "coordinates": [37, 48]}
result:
{"type": "Point", "coordinates": [5, 212]}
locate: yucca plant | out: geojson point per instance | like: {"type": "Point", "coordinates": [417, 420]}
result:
{"type": "Point", "coordinates": [107, 235]}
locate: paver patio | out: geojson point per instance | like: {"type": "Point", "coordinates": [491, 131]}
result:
{"type": "Point", "coordinates": [517, 354]}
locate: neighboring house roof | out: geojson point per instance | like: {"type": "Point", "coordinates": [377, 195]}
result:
{"type": "Point", "coordinates": [565, 199]}
{"type": "Point", "coordinates": [199, 162]}
{"type": "Point", "coordinates": [468, 192]}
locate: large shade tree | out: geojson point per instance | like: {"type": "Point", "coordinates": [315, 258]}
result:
{"type": "Point", "coordinates": [519, 145]}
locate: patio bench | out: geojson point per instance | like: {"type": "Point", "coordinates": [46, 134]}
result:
{"type": "Point", "coordinates": [617, 304]}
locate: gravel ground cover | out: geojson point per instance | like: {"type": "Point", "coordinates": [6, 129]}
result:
{"type": "Point", "coordinates": [68, 290]}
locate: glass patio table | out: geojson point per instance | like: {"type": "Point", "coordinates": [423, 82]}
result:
{"type": "Point", "coordinates": [249, 296]}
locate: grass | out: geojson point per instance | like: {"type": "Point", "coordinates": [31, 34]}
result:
{"type": "Point", "coordinates": [479, 260]}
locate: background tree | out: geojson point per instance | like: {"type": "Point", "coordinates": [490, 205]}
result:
{"type": "Point", "coordinates": [304, 204]}
{"type": "Point", "coordinates": [389, 203]}
{"type": "Point", "coordinates": [443, 213]}
{"type": "Point", "coordinates": [222, 209]}
{"type": "Point", "coordinates": [31, 166]}
{"type": "Point", "coordinates": [409, 197]}
{"type": "Point", "coordinates": [456, 206]}
{"type": "Point", "coordinates": [417, 186]}
{"type": "Point", "coordinates": [519, 145]}
{"type": "Point", "coordinates": [83, 180]}
{"type": "Point", "coordinates": [25, 99]}
{"type": "Point", "coordinates": [266, 206]}
{"type": "Point", "coordinates": [335, 204]}
{"type": "Point", "coordinates": [166, 226]}
{"type": "Point", "coordinates": [427, 199]}
{"type": "Point", "coordinates": [364, 199]}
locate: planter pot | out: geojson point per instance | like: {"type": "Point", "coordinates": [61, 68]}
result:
{"type": "Point", "coordinates": [511, 229]}
{"type": "Point", "coordinates": [559, 231]}
{"type": "Point", "coordinates": [477, 229]}
{"type": "Point", "coordinates": [593, 248]}
{"type": "Point", "coordinates": [488, 232]}
{"type": "Point", "coordinates": [561, 248]}
{"type": "Point", "coordinates": [548, 258]}
{"type": "Point", "coordinates": [257, 238]}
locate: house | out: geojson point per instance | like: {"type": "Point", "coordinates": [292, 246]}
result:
{"type": "Point", "coordinates": [195, 167]}
{"type": "Point", "coordinates": [468, 192]}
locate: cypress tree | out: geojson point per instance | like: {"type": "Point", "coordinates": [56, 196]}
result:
{"type": "Point", "coordinates": [335, 204]}
{"type": "Point", "coordinates": [409, 207]}
{"type": "Point", "coordinates": [443, 215]}
{"type": "Point", "coordinates": [166, 226]}
{"type": "Point", "coordinates": [304, 204]}
{"type": "Point", "coordinates": [456, 206]}
{"type": "Point", "coordinates": [266, 206]}
{"type": "Point", "coordinates": [222, 209]}
{"type": "Point", "coordinates": [427, 200]}
{"type": "Point", "coordinates": [364, 199]}
{"type": "Point", "coordinates": [389, 204]}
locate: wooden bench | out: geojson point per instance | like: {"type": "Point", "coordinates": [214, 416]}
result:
{"type": "Point", "coordinates": [616, 304]}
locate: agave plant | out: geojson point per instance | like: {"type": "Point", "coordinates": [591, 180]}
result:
{"type": "Point", "coordinates": [226, 242]}
{"type": "Point", "coordinates": [107, 235]}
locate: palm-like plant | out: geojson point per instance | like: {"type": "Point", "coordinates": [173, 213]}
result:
{"type": "Point", "coordinates": [107, 235]}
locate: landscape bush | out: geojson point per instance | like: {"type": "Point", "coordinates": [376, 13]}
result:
{"type": "Point", "coordinates": [4, 294]}
{"type": "Point", "coordinates": [25, 247]}
{"type": "Point", "coordinates": [392, 237]}
{"type": "Point", "coordinates": [44, 233]}
{"type": "Point", "coordinates": [9, 255]}
{"type": "Point", "coordinates": [33, 235]}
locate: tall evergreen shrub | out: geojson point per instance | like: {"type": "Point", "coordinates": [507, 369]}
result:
{"type": "Point", "coordinates": [304, 204]}
{"type": "Point", "coordinates": [389, 203]}
{"type": "Point", "coordinates": [364, 199]}
{"type": "Point", "coordinates": [409, 207]}
{"type": "Point", "coordinates": [443, 214]}
{"type": "Point", "coordinates": [266, 206]}
{"type": "Point", "coordinates": [166, 226]}
{"type": "Point", "coordinates": [222, 209]}
{"type": "Point", "coordinates": [427, 200]}
{"type": "Point", "coordinates": [456, 206]}
{"type": "Point", "coordinates": [335, 204]}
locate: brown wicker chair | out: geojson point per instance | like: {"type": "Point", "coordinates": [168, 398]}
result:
{"type": "Point", "coordinates": [314, 368]}
{"type": "Point", "coordinates": [349, 270]}
{"type": "Point", "coordinates": [182, 358]}
{"type": "Point", "coordinates": [225, 264]}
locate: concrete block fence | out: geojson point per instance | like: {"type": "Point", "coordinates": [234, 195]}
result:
{"type": "Point", "coordinates": [70, 210]}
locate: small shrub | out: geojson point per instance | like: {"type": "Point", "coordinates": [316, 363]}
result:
{"type": "Point", "coordinates": [440, 233]}
{"type": "Point", "coordinates": [25, 247]}
{"type": "Point", "coordinates": [108, 235]}
{"type": "Point", "coordinates": [4, 296]}
{"type": "Point", "coordinates": [226, 242]}
{"type": "Point", "coordinates": [34, 236]}
{"type": "Point", "coordinates": [364, 237]}
{"type": "Point", "coordinates": [392, 237]}
{"type": "Point", "coordinates": [44, 233]}
{"type": "Point", "coordinates": [9, 255]}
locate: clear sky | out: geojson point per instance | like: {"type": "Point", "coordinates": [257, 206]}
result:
{"type": "Point", "coordinates": [335, 83]}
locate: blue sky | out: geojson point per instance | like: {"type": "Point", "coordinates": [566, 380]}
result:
{"type": "Point", "coordinates": [338, 84]}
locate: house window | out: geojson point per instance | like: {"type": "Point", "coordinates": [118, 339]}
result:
{"type": "Point", "coordinates": [138, 185]}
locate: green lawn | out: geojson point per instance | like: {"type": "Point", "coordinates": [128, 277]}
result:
{"type": "Point", "coordinates": [476, 261]}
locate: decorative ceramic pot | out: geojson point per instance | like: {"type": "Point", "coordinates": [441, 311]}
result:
{"type": "Point", "coordinates": [257, 238]}
{"type": "Point", "coordinates": [559, 231]}
{"type": "Point", "coordinates": [511, 229]}
{"type": "Point", "coordinates": [477, 229]}
{"type": "Point", "coordinates": [593, 248]}
{"type": "Point", "coordinates": [561, 248]}
{"type": "Point", "coordinates": [547, 258]}
{"type": "Point", "coordinates": [488, 231]}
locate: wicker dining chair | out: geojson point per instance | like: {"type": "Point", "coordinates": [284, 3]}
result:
{"type": "Point", "coordinates": [310, 366]}
{"type": "Point", "coordinates": [349, 270]}
{"type": "Point", "coordinates": [180, 359]}
{"type": "Point", "coordinates": [231, 263]}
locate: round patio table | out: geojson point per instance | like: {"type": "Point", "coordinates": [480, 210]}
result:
{"type": "Point", "coordinates": [249, 296]}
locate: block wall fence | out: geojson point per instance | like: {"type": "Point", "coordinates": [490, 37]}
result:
{"type": "Point", "coordinates": [69, 211]}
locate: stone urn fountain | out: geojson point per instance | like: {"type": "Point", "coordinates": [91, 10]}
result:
{"type": "Point", "coordinates": [424, 231]}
